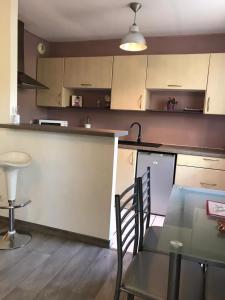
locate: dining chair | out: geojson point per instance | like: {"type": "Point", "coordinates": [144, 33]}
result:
{"type": "Point", "coordinates": [215, 287]}
{"type": "Point", "coordinates": [147, 274]}
{"type": "Point", "coordinates": [149, 235]}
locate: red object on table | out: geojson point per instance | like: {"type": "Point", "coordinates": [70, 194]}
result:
{"type": "Point", "coordinates": [215, 209]}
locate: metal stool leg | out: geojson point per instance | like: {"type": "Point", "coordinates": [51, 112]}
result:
{"type": "Point", "coordinates": [12, 239]}
{"type": "Point", "coordinates": [11, 217]}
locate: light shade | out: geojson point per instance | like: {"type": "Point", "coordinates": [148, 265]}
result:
{"type": "Point", "coordinates": [134, 40]}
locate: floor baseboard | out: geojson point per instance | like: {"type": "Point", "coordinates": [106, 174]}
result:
{"type": "Point", "coordinates": [28, 226]}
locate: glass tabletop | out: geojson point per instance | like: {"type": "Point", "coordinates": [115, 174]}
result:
{"type": "Point", "coordinates": [188, 229]}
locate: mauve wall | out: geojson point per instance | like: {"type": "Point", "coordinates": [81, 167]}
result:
{"type": "Point", "coordinates": [166, 128]}
{"type": "Point", "coordinates": [27, 98]}
{"type": "Point", "coordinates": [181, 129]}
{"type": "Point", "coordinates": [156, 45]}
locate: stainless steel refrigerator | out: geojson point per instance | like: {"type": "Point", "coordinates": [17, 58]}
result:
{"type": "Point", "coordinates": [162, 177]}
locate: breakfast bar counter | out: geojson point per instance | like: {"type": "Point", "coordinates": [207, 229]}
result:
{"type": "Point", "coordinates": [71, 130]}
{"type": "Point", "coordinates": [71, 180]}
{"type": "Point", "coordinates": [176, 149]}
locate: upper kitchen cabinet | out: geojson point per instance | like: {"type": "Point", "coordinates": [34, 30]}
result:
{"type": "Point", "coordinates": [215, 95]}
{"type": "Point", "coordinates": [50, 73]}
{"type": "Point", "coordinates": [128, 84]}
{"type": "Point", "coordinates": [178, 71]}
{"type": "Point", "coordinates": [88, 72]}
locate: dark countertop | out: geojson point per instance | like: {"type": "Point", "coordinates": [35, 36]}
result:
{"type": "Point", "coordinates": [71, 130]}
{"type": "Point", "coordinates": [212, 152]}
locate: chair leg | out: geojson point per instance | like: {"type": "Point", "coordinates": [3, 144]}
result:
{"type": "Point", "coordinates": [204, 268]}
{"type": "Point", "coordinates": [117, 287]}
{"type": "Point", "coordinates": [118, 282]}
{"type": "Point", "coordinates": [130, 297]}
{"type": "Point", "coordinates": [117, 294]}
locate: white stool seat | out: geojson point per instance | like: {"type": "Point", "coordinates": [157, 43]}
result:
{"type": "Point", "coordinates": [11, 162]}
{"type": "Point", "coordinates": [15, 159]}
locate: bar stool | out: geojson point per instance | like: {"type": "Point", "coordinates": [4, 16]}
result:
{"type": "Point", "coordinates": [11, 162]}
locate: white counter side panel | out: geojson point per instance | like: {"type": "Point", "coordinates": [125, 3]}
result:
{"type": "Point", "coordinates": [70, 181]}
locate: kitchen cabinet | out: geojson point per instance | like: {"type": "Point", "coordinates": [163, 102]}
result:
{"type": "Point", "coordinates": [128, 83]}
{"type": "Point", "coordinates": [50, 73]}
{"type": "Point", "coordinates": [162, 167]}
{"type": "Point", "coordinates": [205, 162]}
{"type": "Point", "coordinates": [200, 172]}
{"type": "Point", "coordinates": [178, 71]}
{"type": "Point", "coordinates": [88, 72]}
{"type": "Point", "coordinates": [200, 178]}
{"type": "Point", "coordinates": [126, 168]}
{"type": "Point", "coordinates": [215, 94]}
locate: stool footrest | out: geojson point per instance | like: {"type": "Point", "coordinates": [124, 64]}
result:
{"type": "Point", "coordinates": [4, 207]}
{"type": "Point", "coordinates": [22, 204]}
{"type": "Point", "coordinates": [17, 206]}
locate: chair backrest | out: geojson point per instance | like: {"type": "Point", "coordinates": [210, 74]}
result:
{"type": "Point", "coordinates": [127, 223]}
{"type": "Point", "coordinates": [144, 201]}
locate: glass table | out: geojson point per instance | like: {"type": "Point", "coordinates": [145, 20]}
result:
{"type": "Point", "coordinates": [190, 233]}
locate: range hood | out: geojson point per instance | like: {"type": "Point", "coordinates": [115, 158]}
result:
{"type": "Point", "coordinates": [24, 81]}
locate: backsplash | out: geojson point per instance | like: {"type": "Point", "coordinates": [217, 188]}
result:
{"type": "Point", "coordinates": [168, 128]}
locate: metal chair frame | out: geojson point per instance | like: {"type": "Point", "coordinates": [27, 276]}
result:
{"type": "Point", "coordinates": [132, 236]}
{"type": "Point", "coordinates": [144, 200]}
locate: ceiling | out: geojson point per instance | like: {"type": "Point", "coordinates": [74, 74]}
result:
{"type": "Point", "coordinates": [76, 20]}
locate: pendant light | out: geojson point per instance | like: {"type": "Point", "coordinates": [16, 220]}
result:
{"type": "Point", "coordinates": [134, 40]}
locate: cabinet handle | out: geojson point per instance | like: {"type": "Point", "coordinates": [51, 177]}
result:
{"type": "Point", "coordinates": [208, 101]}
{"type": "Point", "coordinates": [210, 159]}
{"type": "Point", "coordinates": [86, 84]}
{"type": "Point", "coordinates": [140, 102]}
{"type": "Point", "coordinates": [132, 158]}
{"type": "Point", "coordinates": [174, 85]}
{"type": "Point", "coordinates": [208, 184]}
{"type": "Point", "coordinates": [59, 100]}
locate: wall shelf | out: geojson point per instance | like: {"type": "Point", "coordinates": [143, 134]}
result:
{"type": "Point", "coordinates": [187, 101]}
{"type": "Point", "coordinates": [87, 108]}
{"type": "Point", "coordinates": [177, 111]}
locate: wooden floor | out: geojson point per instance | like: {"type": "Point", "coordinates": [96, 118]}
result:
{"type": "Point", "coordinates": [53, 268]}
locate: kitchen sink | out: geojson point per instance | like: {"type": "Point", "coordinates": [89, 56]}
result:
{"type": "Point", "coordinates": [144, 144]}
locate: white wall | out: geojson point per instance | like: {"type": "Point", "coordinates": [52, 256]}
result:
{"type": "Point", "coordinates": [8, 58]}
{"type": "Point", "coordinates": [70, 181]}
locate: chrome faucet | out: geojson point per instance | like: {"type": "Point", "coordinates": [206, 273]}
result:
{"type": "Point", "coordinates": [139, 131]}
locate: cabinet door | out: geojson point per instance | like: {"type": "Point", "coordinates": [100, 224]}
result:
{"type": "Point", "coordinates": [178, 71]}
{"type": "Point", "coordinates": [205, 162]}
{"type": "Point", "coordinates": [200, 178]}
{"type": "Point", "coordinates": [215, 95]}
{"type": "Point", "coordinates": [126, 167]}
{"type": "Point", "coordinates": [128, 84]}
{"type": "Point", "coordinates": [88, 72]}
{"type": "Point", "coordinates": [50, 73]}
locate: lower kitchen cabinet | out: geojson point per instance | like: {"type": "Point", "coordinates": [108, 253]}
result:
{"type": "Point", "coordinates": [126, 168]}
{"type": "Point", "coordinates": [200, 178]}
{"type": "Point", "coordinates": [200, 172]}
{"type": "Point", "coordinates": [162, 167]}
